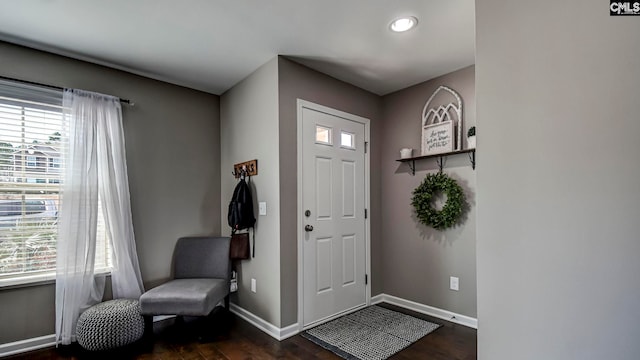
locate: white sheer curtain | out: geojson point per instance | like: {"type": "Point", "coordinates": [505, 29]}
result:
{"type": "Point", "coordinates": [94, 164]}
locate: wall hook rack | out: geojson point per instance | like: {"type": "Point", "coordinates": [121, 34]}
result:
{"type": "Point", "coordinates": [247, 168]}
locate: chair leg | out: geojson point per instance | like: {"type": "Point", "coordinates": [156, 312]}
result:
{"type": "Point", "coordinates": [226, 302]}
{"type": "Point", "coordinates": [148, 326]}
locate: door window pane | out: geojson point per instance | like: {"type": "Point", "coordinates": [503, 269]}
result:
{"type": "Point", "coordinates": [347, 140]}
{"type": "Point", "coordinates": [323, 135]}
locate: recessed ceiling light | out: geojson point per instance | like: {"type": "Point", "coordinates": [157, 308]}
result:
{"type": "Point", "coordinates": [403, 24]}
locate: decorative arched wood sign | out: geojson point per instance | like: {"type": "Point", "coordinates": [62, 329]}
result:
{"type": "Point", "coordinates": [442, 122]}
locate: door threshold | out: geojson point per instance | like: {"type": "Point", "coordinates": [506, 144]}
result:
{"type": "Point", "coordinates": [334, 316]}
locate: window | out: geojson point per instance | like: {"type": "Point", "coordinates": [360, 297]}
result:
{"type": "Point", "coordinates": [323, 135]}
{"type": "Point", "coordinates": [31, 124]}
{"type": "Point", "coordinates": [347, 140]}
{"type": "Point", "coordinates": [31, 161]}
{"type": "Point", "coordinates": [54, 163]}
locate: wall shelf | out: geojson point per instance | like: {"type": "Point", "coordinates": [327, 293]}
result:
{"type": "Point", "coordinates": [439, 157]}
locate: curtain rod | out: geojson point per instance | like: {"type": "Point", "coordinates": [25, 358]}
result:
{"type": "Point", "coordinates": [125, 101]}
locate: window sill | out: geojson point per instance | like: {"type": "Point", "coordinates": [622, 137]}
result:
{"type": "Point", "coordinates": [37, 280]}
{"type": "Point", "coordinates": [28, 281]}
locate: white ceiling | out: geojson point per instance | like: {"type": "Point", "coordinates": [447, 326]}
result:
{"type": "Point", "coordinates": [211, 45]}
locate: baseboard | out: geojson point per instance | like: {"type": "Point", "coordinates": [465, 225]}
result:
{"type": "Point", "coordinates": [272, 330]}
{"type": "Point", "coordinates": [22, 346]}
{"type": "Point", "coordinates": [426, 309]}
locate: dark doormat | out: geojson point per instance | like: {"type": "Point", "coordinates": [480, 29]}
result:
{"type": "Point", "coordinates": [373, 333]}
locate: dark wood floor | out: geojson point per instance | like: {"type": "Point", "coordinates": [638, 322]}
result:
{"type": "Point", "coordinates": [229, 337]}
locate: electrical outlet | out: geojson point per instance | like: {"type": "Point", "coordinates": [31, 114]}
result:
{"type": "Point", "coordinates": [454, 283]}
{"type": "Point", "coordinates": [262, 208]}
{"type": "Point", "coordinates": [253, 285]}
{"type": "Point", "coordinates": [234, 281]}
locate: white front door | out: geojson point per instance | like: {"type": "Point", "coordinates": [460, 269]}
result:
{"type": "Point", "coordinates": [333, 202]}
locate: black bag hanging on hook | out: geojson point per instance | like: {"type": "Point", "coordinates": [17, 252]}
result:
{"type": "Point", "coordinates": [240, 214]}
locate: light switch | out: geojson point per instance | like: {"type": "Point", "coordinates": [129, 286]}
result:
{"type": "Point", "coordinates": [262, 208]}
{"type": "Point", "coordinates": [454, 283]}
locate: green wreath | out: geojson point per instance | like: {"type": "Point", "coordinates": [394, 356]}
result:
{"type": "Point", "coordinates": [422, 201]}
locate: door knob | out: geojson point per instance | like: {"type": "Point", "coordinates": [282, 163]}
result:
{"type": "Point", "coordinates": [308, 228]}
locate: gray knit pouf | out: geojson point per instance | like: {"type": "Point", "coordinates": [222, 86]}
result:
{"type": "Point", "coordinates": [110, 324]}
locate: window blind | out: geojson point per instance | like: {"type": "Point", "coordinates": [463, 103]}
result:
{"type": "Point", "coordinates": [32, 147]}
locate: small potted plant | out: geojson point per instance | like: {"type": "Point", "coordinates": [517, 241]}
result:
{"type": "Point", "coordinates": [471, 137]}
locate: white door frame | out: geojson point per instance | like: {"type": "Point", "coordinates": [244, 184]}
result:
{"type": "Point", "coordinates": [301, 104]}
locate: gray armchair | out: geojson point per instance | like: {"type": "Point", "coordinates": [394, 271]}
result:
{"type": "Point", "coordinates": [202, 272]}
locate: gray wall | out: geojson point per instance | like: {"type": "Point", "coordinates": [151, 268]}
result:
{"type": "Point", "coordinates": [259, 121]}
{"type": "Point", "coordinates": [249, 130]}
{"type": "Point", "coordinates": [418, 260]}
{"type": "Point", "coordinates": [558, 201]}
{"type": "Point", "coordinates": [297, 81]}
{"type": "Point", "coordinates": [173, 155]}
